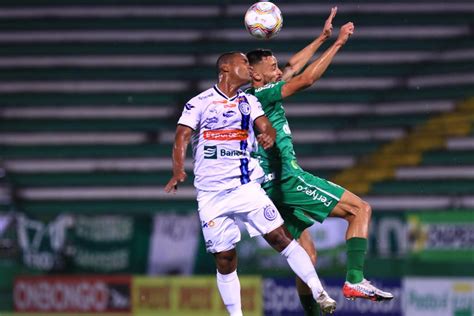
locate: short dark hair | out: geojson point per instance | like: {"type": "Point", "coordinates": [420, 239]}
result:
{"type": "Point", "coordinates": [257, 55]}
{"type": "Point", "coordinates": [224, 59]}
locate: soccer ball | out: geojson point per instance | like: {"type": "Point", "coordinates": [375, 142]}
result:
{"type": "Point", "coordinates": [263, 20]}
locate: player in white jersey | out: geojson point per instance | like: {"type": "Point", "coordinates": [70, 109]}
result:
{"type": "Point", "coordinates": [223, 138]}
{"type": "Point", "coordinates": [220, 121]}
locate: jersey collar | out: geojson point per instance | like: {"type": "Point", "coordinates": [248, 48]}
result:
{"type": "Point", "coordinates": [224, 96]}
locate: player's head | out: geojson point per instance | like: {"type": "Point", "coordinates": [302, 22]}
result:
{"type": "Point", "coordinates": [264, 66]}
{"type": "Point", "coordinates": [234, 66]}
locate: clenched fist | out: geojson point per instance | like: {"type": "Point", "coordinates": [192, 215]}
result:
{"type": "Point", "coordinates": [265, 140]}
{"type": "Point", "coordinates": [346, 31]}
{"type": "Point", "coordinates": [327, 31]}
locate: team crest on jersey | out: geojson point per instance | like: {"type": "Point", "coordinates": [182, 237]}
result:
{"type": "Point", "coordinates": [270, 212]}
{"type": "Point", "coordinates": [244, 107]}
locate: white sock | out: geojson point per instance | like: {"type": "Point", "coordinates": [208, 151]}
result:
{"type": "Point", "coordinates": [301, 264]}
{"type": "Point", "coordinates": [229, 288]}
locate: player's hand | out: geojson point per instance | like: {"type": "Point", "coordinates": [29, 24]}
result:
{"type": "Point", "coordinates": [178, 177]}
{"type": "Point", "coordinates": [346, 31]}
{"type": "Point", "coordinates": [327, 30]}
{"type": "Point", "coordinates": [265, 140]}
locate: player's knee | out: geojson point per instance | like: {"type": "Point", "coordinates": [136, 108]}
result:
{"type": "Point", "coordinates": [277, 239]}
{"type": "Point", "coordinates": [226, 262]}
{"type": "Point", "coordinates": [365, 210]}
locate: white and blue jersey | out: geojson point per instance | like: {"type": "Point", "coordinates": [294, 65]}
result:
{"type": "Point", "coordinates": [223, 139]}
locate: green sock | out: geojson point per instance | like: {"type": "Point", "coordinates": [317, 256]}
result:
{"type": "Point", "coordinates": [311, 308]}
{"type": "Point", "coordinates": [356, 249]}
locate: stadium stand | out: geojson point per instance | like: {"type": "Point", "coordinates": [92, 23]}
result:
{"type": "Point", "coordinates": [90, 97]}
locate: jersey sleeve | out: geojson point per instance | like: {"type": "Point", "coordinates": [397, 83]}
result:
{"type": "Point", "coordinates": [191, 115]}
{"type": "Point", "coordinates": [256, 108]}
{"type": "Point", "coordinates": [270, 93]}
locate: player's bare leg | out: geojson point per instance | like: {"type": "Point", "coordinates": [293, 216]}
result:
{"type": "Point", "coordinates": [301, 264]}
{"type": "Point", "coordinates": [357, 213]}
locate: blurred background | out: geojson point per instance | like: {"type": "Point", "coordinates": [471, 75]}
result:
{"type": "Point", "coordinates": [90, 93]}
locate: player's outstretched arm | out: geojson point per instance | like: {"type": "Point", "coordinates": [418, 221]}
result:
{"type": "Point", "coordinates": [316, 69]}
{"type": "Point", "coordinates": [301, 58]}
{"type": "Point", "coordinates": [267, 135]}
{"type": "Point", "coordinates": [181, 141]}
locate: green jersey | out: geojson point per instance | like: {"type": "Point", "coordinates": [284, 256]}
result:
{"type": "Point", "coordinates": [280, 159]}
{"type": "Point", "coordinates": [301, 198]}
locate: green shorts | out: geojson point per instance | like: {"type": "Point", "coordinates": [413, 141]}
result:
{"type": "Point", "coordinates": [302, 199]}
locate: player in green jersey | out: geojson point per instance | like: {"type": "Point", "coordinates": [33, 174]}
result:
{"type": "Point", "coordinates": [301, 197]}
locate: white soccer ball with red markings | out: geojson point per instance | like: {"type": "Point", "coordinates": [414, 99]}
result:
{"type": "Point", "coordinates": [263, 20]}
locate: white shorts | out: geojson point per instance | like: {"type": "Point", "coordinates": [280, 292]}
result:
{"type": "Point", "coordinates": [218, 211]}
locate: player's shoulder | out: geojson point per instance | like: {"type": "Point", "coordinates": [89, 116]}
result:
{"type": "Point", "coordinates": [203, 96]}
{"type": "Point", "coordinates": [269, 86]}
{"type": "Point", "coordinates": [250, 97]}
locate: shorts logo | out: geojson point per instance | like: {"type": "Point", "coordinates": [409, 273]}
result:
{"type": "Point", "coordinates": [315, 195]}
{"type": "Point", "coordinates": [189, 106]}
{"type": "Point", "coordinates": [209, 224]}
{"type": "Point", "coordinates": [270, 213]}
{"type": "Point", "coordinates": [244, 108]}
{"type": "Point", "coordinates": [210, 152]}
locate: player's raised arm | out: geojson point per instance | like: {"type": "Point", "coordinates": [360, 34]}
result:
{"type": "Point", "coordinates": [181, 141]}
{"type": "Point", "coordinates": [267, 135]}
{"type": "Point", "coordinates": [316, 69]}
{"type": "Point", "coordinates": [301, 58]}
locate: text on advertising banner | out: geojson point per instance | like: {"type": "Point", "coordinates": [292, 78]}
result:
{"type": "Point", "coordinates": [196, 296]}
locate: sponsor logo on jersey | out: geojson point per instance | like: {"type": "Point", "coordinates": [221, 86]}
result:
{"type": "Point", "coordinates": [210, 152]}
{"type": "Point", "coordinates": [205, 96]}
{"type": "Point", "coordinates": [229, 105]}
{"type": "Point", "coordinates": [315, 195]}
{"type": "Point", "coordinates": [210, 121]}
{"type": "Point", "coordinates": [267, 86]}
{"type": "Point", "coordinates": [233, 134]}
{"type": "Point", "coordinates": [229, 113]}
{"type": "Point", "coordinates": [232, 153]}
{"type": "Point", "coordinates": [189, 106]}
{"type": "Point", "coordinates": [270, 213]}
